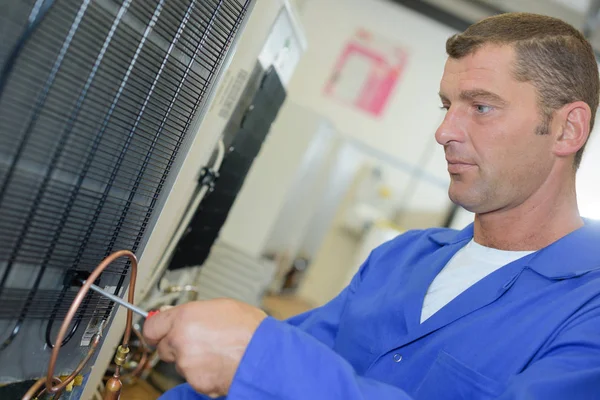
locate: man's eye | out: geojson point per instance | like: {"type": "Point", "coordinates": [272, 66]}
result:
{"type": "Point", "coordinates": [481, 109]}
{"type": "Point", "coordinates": [444, 107]}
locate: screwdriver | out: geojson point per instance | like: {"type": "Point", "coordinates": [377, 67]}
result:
{"type": "Point", "coordinates": [120, 301]}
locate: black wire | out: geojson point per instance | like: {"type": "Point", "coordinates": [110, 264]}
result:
{"type": "Point", "coordinates": [68, 337]}
{"type": "Point", "coordinates": [53, 317]}
{"type": "Point", "coordinates": [23, 39]}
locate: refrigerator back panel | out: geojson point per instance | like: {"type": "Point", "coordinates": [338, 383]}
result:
{"type": "Point", "coordinates": [97, 100]}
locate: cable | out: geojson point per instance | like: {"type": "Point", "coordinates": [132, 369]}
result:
{"type": "Point", "coordinates": [113, 387]}
{"type": "Point", "coordinates": [53, 317]}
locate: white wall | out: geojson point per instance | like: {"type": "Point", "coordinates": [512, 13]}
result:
{"type": "Point", "coordinates": [305, 195]}
{"type": "Point", "coordinates": [344, 162]}
{"type": "Point", "coordinates": [588, 177]}
{"type": "Point", "coordinates": [270, 179]}
{"type": "Point", "coordinates": [327, 272]}
{"type": "Point", "coordinates": [407, 126]}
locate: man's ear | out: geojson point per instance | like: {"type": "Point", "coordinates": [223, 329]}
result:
{"type": "Point", "coordinates": [574, 128]}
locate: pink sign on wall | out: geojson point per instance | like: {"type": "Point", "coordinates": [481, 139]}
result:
{"type": "Point", "coordinates": [366, 72]}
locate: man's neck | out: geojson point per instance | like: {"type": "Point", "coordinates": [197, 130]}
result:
{"type": "Point", "coordinates": [532, 225]}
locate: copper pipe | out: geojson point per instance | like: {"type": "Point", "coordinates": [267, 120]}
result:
{"type": "Point", "coordinates": [75, 305]}
{"type": "Point", "coordinates": [112, 389]}
{"type": "Point", "coordinates": [141, 365]}
{"type": "Point", "coordinates": [31, 393]}
{"type": "Point", "coordinates": [143, 360]}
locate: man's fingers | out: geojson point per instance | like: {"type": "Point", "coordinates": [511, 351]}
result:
{"type": "Point", "coordinates": [158, 326]}
{"type": "Point", "coordinates": [166, 352]}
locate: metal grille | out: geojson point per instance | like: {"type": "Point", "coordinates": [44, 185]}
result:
{"type": "Point", "coordinates": [96, 98]}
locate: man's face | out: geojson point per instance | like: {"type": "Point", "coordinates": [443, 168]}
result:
{"type": "Point", "coordinates": [496, 160]}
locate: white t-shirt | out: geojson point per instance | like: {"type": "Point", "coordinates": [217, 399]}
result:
{"type": "Point", "coordinates": [468, 266]}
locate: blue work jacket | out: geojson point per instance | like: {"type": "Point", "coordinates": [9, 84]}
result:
{"type": "Point", "coordinates": [529, 330]}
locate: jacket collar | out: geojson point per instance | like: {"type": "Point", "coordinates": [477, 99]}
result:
{"type": "Point", "coordinates": [445, 237]}
{"type": "Point", "coordinates": [573, 255]}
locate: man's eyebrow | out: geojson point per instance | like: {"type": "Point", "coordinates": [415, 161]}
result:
{"type": "Point", "coordinates": [476, 94]}
{"type": "Point", "coordinates": [480, 94]}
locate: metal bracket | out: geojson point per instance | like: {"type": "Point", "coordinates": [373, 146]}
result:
{"type": "Point", "coordinates": [208, 177]}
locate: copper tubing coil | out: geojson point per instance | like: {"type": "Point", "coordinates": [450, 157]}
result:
{"type": "Point", "coordinates": [55, 385]}
{"type": "Point", "coordinates": [31, 393]}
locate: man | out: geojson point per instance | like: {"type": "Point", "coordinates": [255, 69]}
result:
{"type": "Point", "coordinates": [508, 308]}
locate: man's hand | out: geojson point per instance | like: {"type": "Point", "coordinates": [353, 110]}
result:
{"type": "Point", "coordinates": [205, 339]}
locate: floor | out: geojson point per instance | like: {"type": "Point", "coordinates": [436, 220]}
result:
{"type": "Point", "coordinates": [283, 307]}
{"type": "Point", "coordinates": [141, 390]}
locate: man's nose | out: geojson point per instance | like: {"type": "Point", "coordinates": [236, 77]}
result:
{"type": "Point", "coordinates": [452, 128]}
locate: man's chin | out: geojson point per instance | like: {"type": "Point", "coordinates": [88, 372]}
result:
{"type": "Point", "coordinates": [468, 202]}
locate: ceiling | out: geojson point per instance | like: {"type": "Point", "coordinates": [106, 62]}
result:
{"type": "Point", "coordinates": [459, 14]}
{"type": "Point", "coordinates": [583, 14]}
{"type": "Point", "coordinates": [581, 6]}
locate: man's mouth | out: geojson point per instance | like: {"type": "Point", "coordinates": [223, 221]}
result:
{"type": "Point", "coordinates": [456, 166]}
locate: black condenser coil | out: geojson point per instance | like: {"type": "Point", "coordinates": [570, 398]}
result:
{"type": "Point", "coordinates": [96, 103]}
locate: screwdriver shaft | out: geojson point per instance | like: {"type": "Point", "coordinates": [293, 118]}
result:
{"type": "Point", "coordinates": [119, 301]}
